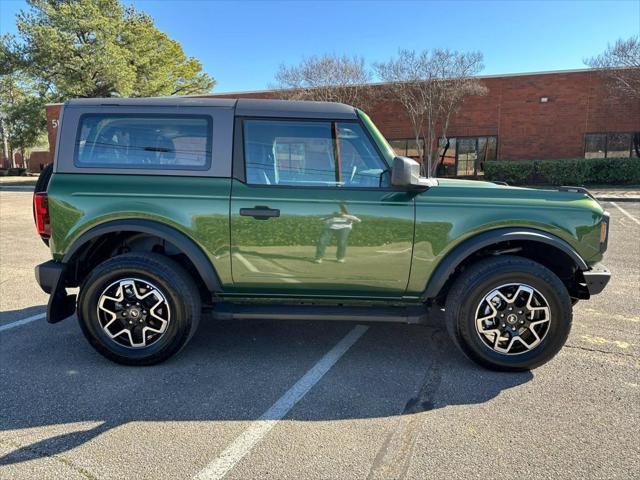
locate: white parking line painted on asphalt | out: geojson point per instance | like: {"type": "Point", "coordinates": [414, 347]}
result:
{"type": "Point", "coordinates": [24, 321]}
{"type": "Point", "coordinates": [250, 266]}
{"type": "Point", "coordinates": [625, 212]}
{"type": "Point", "coordinates": [248, 439]}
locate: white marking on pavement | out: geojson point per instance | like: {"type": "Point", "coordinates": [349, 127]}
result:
{"type": "Point", "coordinates": [250, 266]}
{"type": "Point", "coordinates": [253, 269]}
{"type": "Point", "coordinates": [248, 439]}
{"type": "Point", "coordinates": [24, 321]}
{"type": "Point", "coordinates": [625, 212]}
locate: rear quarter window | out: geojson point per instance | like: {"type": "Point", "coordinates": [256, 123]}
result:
{"type": "Point", "coordinates": [165, 142]}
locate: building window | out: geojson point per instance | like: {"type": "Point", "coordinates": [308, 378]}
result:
{"type": "Point", "coordinates": [612, 145]}
{"type": "Point", "coordinates": [414, 149]}
{"type": "Point", "coordinates": [465, 156]}
{"type": "Point", "coordinates": [399, 146]}
{"type": "Point", "coordinates": [407, 148]}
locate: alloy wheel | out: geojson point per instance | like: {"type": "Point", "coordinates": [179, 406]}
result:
{"type": "Point", "coordinates": [134, 313]}
{"type": "Point", "coordinates": [513, 319]}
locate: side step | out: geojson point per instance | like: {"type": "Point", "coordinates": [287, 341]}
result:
{"type": "Point", "coordinates": [236, 311]}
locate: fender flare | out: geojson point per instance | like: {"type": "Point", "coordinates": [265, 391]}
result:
{"type": "Point", "coordinates": [458, 254]}
{"type": "Point", "coordinates": [181, 241]}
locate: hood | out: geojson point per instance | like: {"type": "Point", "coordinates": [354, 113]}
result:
{"type": "Point", "coordinates": [455, 182]}
{"type": "Point", "coordinates": [482, 191]}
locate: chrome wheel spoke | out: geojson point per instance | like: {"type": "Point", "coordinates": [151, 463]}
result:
{"type": "Point", "coordinates": [133, 313]}
{"type": "Point", "coordinates": [513, 318]}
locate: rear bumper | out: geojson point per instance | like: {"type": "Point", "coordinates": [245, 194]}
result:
{"type": "Point", "coordinates": [597, 278]}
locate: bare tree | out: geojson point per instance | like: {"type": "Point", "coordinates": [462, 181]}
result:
{"type": "Point", "coordinates": [327, 78]}
{"type": "Point", "coordinates": [620, 63]}
{"type": "Point", "coordinates": [431, 86]}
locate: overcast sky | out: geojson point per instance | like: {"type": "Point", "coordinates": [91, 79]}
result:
{"type": "Point", "coordinates": [242, 43]}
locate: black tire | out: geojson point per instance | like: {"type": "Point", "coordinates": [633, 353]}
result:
{"type": "Point", "coordinates": [478, 280]}
{"type": "Point", "coordinates": [173, 282]}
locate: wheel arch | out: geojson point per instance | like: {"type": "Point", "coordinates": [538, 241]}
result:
{"type": "Point", "coordinates": [179, 240]}
{"type": "Point", "coordinates": [482, 242]}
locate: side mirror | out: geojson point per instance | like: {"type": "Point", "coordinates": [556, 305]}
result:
{"type": "Point", "coordinates": [406, 173]}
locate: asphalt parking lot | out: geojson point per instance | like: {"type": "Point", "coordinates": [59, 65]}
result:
{"type": "Point", "coordinates": [395, 401]}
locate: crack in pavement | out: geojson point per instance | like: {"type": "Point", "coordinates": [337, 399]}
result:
{"type": "Point", "coordinates": [38, 453]}
{"type": "Point", "coordinates": [587, 349]}
{"type": "Point", "coordinates": [393, 457]}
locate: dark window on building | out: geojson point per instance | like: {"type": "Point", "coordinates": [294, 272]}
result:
{"type": "Point", "coordinates": [447, 157]}
{"type": "Point", "coordinates": [612, 145]}
{"type": "Point", "coordinates": [467, 155]}
{"type": "Point", "coordinates": [399, 146]}
{"type": "Point", "coordinates": [407, 147]}
{"type": "Point", "coordinates": [464, 156]}
{"type": "Point", "coordinates": [618, 145]}
{"type": "Point", "coordinates": [595, 145]}
{"type": "Point", "coordinates": [166, 142]}
{"type": "Point", "coordinates": [414, 149]}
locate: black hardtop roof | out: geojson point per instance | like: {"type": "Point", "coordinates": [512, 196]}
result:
{"type": "Point", "coordinates": [253, 107]}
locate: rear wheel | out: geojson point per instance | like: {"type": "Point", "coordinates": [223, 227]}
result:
{"type": "Point", "coordinates": [138, 308]}
{"type": "Point", "coordinates": [509, 313]}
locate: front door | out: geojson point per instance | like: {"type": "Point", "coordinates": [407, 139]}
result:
{"type": "Point", "coordinates": [311, 218]}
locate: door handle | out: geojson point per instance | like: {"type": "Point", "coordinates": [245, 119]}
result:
{"type": "Point", "coordinates": [260, 213]}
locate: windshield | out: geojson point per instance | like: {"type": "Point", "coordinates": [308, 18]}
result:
{"type": "Point", "coordinates": [381, 142]}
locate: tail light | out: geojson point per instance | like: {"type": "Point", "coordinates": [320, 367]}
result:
{"type": "Point", "coordinates": [604, 232]}
{"type": "Point", "coordinates": [41, 209]}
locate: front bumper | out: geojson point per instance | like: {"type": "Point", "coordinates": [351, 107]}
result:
{"type": "Point", "coordinates": [50, 277]}
{"type": "Point", "coordinates": [597, 278]}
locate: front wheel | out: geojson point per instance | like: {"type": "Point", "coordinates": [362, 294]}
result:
{"type": "Point", "coordinates": [138, 308]}
{"type": "Point", "coordinates": [509, 313]}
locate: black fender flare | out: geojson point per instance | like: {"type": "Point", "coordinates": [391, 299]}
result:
{"type": "Point", "coordinates": [458, 254]}
{"type": "Point", "coordinates": [181, 241]}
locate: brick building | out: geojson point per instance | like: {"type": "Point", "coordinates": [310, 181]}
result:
{"type": "Point", "coordinates": [548, 115]}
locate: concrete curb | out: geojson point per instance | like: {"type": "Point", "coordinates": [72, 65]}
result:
{"type": "Point", "coordinates": [613, 198]}
{"type": "Point", "coordinates": [16, 188]}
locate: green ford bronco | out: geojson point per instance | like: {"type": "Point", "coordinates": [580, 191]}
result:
{"type": "Point", "coordinates": [160, 209]}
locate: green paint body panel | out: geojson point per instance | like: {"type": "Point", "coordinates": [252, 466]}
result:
{"type": "Point", "coordinates": [277, 255]}
{"type": "Point", "coordinates": [395, 239]}
{"type": "Point", "coordinates": [195, 206]}
{"type": "Point", "coordinates": [456, 210]}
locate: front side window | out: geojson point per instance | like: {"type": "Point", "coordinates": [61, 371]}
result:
{"type": "Point", "coordinates": [360, 163]}
{"type": "Point", "coordinates": [309, 153]}
{"type": "Point", "coordinates": [144, 141]}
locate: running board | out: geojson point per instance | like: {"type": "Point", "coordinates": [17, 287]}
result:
{"type": "Point", "coordinates": [235, 311]}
